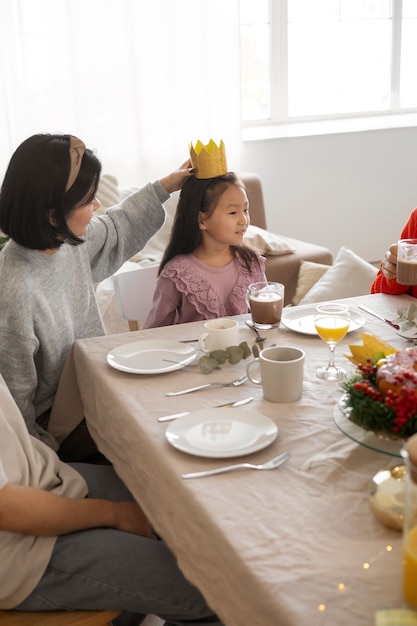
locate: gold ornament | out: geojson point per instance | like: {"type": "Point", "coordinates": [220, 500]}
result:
{"type": "Point", "coordinates": [386, 496]}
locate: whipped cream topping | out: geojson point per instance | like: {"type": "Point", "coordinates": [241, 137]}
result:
{"type": "Point", "coordinates": [400, 368]}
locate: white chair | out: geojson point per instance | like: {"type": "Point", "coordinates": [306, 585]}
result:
{"type": "Point", "coordinates": [134, 292]}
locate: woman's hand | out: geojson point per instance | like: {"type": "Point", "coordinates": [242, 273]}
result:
{"type": "Point", "coordinates": [131, 519]}
{"type": "Point", "coordinates": [175, 180]}
{"type": "Point", "coordinates": [389, 262]}
{"type": "Point", "coordinates": [32, 511]}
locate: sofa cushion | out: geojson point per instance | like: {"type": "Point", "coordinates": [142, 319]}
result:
{"type": "Point", "coordinates": [107, 192]}
{"type": "Point", "coordinates": [308, 275]}
{"type": "Point", "coordinates": [156, 245]}
{"type": "Point", "coordinates": [349, 276]}
{"type": "Point", "coordinates": [267, 243]}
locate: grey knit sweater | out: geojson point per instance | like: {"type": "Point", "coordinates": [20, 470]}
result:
{"type": "Point", "coordinates": [47, 300]}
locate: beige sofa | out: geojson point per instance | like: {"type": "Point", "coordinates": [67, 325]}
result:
{"type": "Point", "coordinates": [282, 268]}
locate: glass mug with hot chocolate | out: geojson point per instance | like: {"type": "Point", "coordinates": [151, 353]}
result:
{"type": "Point", "coordinates": [407, 262]}
{"type": "Point", "coordinates": [265, 301]}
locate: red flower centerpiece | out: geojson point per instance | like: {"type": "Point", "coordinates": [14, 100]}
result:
{"type": "Point", "coordinates": [381, 396]}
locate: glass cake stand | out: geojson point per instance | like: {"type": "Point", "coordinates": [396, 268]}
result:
{"type": "Point", "coordinates": [378, 443]}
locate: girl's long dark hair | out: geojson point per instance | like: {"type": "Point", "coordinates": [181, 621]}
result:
{"type": "Point", "coordinates": [201, 195]}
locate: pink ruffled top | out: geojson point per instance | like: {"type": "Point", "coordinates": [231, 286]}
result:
{"type": "Point", "coordinates": [187, 290]}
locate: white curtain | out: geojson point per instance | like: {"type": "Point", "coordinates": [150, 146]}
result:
{"type": "Point", "coordinates": [136, 80]}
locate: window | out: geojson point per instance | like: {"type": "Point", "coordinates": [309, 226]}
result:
{"type": "Point", "coordinates": [327, 59]}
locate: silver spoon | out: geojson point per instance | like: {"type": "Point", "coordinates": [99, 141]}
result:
{"type": "Point", "coordinates": [252, 326]}
{"type": "Point", "coordinates": [269, 465]}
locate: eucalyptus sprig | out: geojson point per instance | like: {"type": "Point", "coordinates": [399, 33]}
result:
{"type": "Point", "coordinates": [407, 320]}
{"type": "Point", "coordinates": [213, 360]}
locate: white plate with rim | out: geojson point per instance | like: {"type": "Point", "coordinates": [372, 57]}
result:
{"type": "Point", "coordinates": [151, 357]}
{"type": "Point", "coordinates": [301, 319]}
{"type": "Point", "coordinates": [221, 432]}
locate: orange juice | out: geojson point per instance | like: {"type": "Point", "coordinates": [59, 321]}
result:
{"type": "Point", "coordinates": [331, 329]}
{"type": "Point", "coordinates": [410, 567]}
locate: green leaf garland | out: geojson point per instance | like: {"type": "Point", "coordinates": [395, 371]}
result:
{"type": "Point", "coordinates": [233, 355]}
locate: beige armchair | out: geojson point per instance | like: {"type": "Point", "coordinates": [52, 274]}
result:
{"type": "Point", "coordinates": [282, 268]}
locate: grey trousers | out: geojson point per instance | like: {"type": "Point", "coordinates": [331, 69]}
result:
{"type": "Point", "coordinates": [106, 569]}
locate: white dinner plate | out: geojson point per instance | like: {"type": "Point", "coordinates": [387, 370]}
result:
{"type": "Point", "coordinates": [151, 357]}
{"type": "Point", "coordinates": [221, 432]}
{"type": "Point", "coordinates": [301, 319]}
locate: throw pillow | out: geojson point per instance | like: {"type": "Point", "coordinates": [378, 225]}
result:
{"type": "Point", "coordinates": [349, 276]}
{"type": "Point", "coordinates": [107, 193]}
{"type": "Point", "coordinates": [156, 245]}
{"type": "Point", "coordinates": [267, 243]}
{"type": "Point", "coordinates": [309, 273]}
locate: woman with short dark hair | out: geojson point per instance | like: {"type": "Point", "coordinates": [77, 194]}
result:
{"type": "Point", "coordinates": [56, 252]}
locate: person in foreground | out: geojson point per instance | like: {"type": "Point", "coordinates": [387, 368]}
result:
{"type": "Point", "coordinates": [56, 252]}
{"type": "Point", "coordinates": [206, 268]}
{"type": "Point", "coordinates": [386, 278]}
{"type": "Point", "coordinates": [71, 537]}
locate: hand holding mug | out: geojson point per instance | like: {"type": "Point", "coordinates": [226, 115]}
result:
{"type": "Point", "coordinates": [389, 262]}
{"type": "Point", "coordinates": [407, 262]}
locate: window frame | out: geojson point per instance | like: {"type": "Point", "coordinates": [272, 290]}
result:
{"type": "Point", "coordinates": [278, 64]}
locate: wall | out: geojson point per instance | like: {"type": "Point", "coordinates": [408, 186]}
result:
{"type": "Point", "coordinates": [354, 189]}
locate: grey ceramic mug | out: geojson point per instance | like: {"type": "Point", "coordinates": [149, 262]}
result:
{"type": "Point", "coordinates": [280, 371]}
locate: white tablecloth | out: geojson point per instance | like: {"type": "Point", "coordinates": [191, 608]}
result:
{"type": "Point", "coordinates": [297, 546]}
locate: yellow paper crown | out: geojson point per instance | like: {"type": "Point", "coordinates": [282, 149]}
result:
{"type": "Point", "coordinates": [210, 160]}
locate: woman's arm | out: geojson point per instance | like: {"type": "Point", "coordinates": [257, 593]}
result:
{"type": "Point", "coordinates": [36, 512]}
{"type": "Point", "coordinates": [175, 180]}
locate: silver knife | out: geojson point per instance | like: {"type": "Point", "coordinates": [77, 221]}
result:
{"type": "Point", "coordinates": [174, 416]}
{"type": "Point", "coordinates": [383, 319]}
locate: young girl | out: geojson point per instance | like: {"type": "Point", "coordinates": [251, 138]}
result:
{"type": "Point", "coordinates": [206, 268]}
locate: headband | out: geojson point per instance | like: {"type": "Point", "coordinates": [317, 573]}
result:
{"type": "Point", "coordinates": [76, 151]}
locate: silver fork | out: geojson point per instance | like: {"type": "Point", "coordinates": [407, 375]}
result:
{"type": "Point", "coordinates": [168, 418]}
{"type": "Point", "coordinates": [269, 465]}
{"type": "Point", "coordinates": [234, 383]}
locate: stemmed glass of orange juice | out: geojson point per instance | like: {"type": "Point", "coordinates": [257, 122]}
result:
{"type": "Point", "coordinates": [332, 323]}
